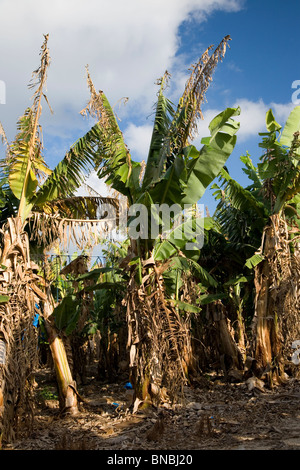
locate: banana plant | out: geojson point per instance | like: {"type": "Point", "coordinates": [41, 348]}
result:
{"type": "Point", "coordinates": [33, 194]}
{"type": "Point", "coordinates": [176, 173]}
{"type": "Point", "coordinates": [263, 221]}
{"type": "Point", "coordinates": [276, 276]}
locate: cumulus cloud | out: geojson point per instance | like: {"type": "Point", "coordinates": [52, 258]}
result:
{"type": "Point", "coordinates": [127, 44]}
{"type": "Point", "coordinates": [253, 114]}
{"type": "Point", "coordinates": [281, 111]}
{"type": "Point", "coordinates": [252, 117]}
{"type": "Point", "coordinates": [138, 140]}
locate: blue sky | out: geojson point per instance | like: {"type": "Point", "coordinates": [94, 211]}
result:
{"type": "Point", "coordinates": [258, 70]}
{"type": "Point", "coordinates": [128, 45]}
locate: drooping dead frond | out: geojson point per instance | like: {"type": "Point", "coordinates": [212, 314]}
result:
{"type": "Point", "coordinates": [38, 81]}
{"type": "Point", "coordinates": [123, 100]}
{"type": "Point", "coordinates": [95, 107]}
{"type": "Point", "coordinates": [82, 220]}
{"type": "Point", "coordinates": [47, 229]}
{"type": "Point", "coordinates": [78, 266]}
{"type": "Point", "coordinates": [163, 82]}
{"type": "Point", "coordinates": [80, 207]}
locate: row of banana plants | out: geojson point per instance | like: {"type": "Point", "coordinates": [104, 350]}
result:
{"type": "Point", "coordinates": [158, 285]}
{"type": "Point", "coordinates": [231, 304]}
{"type": "Point", "coordinates": [37, 204]}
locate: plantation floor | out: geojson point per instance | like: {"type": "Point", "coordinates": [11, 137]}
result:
{"type": "Point", "coordinates": [216, 416]}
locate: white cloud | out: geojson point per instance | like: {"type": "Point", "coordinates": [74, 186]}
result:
{"type": "Point", "coordinates": [127, 44]}
{"type": "Point", "coordinates": [281, 111]}
{"type": "Point", "coordinates": [138, 140]}
{"type": "Point", "coordinates": [234, 67]}
{"type": "Point", "coordinates": [202, 127]}
{"type": "Point", "coordinates": [252, 117]}
{"type": "Point", "coordinates": [97, 185]}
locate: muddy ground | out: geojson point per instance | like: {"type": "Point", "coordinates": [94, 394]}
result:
{"type": "Point", "coordinates": [215, 416]}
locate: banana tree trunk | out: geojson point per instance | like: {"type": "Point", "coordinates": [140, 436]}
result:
{"type": "Point", "coordinates": [230, 355]}
{"type": "Point", "coordinates": [264, 322]}
{"type": "Point", "coordinates": [18, 336]}
{"type": "Point", "coordinates": [241, 333]}
{"type": "Point", "coordinates": [276, 302]}
{"type": "Point", "coordinates": [19, 283]}
{"type": "Point", "coordinates": [158, 340]}
{"type": "Point", "coordinates": [66, 385]}
{"type": "Point", "coordinates": [77, 340]}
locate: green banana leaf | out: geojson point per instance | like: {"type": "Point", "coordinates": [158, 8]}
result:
{"type": "Point", "coordinates": [202, 275]}
{"type": "Point", "coordinates": [271, 124]}
{"type": "Point", "coordinates": [68, 175]}
{"type": "Point", "coordinates": [179, 264]}
{"type": "Point", "coordinates": [104, 285]}
{"type": "Point", "coordinates": [192, 172]}
{"type": "Point", "coordinates": [178, 239]}
{"type": "Point", "coordinates": [237, 280]}
{"type": "Point", "coordinates": [157, 156]}
{"type": "Point", "coordinates": [254, 261]}
{"type": "Point", "coordinates": [25, 162]}
{"type": "Point", "coordinates": [95, 273]}
{"type": "Point", "coordinates": [208, 298]}
{"type": "Point", "coordinates": [251, 171]}
{"type": "Point", "coordinates": [186, 307]}
{"type": "Point", "coordinates": [66, 314]}
{"type": "Point", "coordinates": [292, 125]}
{"type": "Point", "coordinates": [241, 198]}
{"type": "Point", "coordinates": [113, 159]}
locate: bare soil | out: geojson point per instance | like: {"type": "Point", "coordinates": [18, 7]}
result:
{"type": "Point", "coordinates": [216, 415]}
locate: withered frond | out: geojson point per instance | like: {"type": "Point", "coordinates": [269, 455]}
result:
{"type": "Point", "coordinates": [142, 173]}
{"type": "Point", "coordinates": [24, 161]}
{"type": "Point", "coordinates": [163, 81]}
{"type": "Point", "coordinates": [82, 220]}
{"type": "Point", "coordinates": [46, 229]}
{"type": "Point", "coordinates": [39, 76]}
{"type": "Point", "coordinates": [193, 97]}
{"type": "Point", "coordinates": [95, 107]}
{"type": "Point", "coordinates": [3, 136]}
{"type": "Point", "coordinates": [157, 333]}
{"type": "Point", "coordinates": [77, 266]}
{"type": "Point", "coordinates": [79, 207]}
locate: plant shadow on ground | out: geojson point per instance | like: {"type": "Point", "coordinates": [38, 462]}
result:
{"type": "Point", "coordinates": [216, 415]}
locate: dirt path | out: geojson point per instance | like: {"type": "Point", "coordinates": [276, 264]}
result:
{"type": "Point", "coordinates": [216, 416]}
